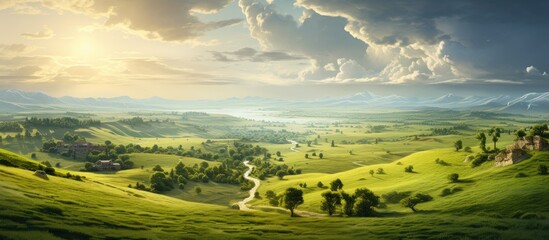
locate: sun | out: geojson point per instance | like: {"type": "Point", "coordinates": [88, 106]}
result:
{"type": "Point", "coordinates": [85, 48]}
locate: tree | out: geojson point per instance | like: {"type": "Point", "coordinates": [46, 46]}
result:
{"type": "Point", "coordinates": [278, 153]}
{"type": "Point", "coordinates": [538, 130]}
{"type": "Point", "coordinates": [197, 190]}
{"type": "Point", "coordinates": [454, 177]}
{"type": "Point", "coordinates": [320, 184]}
{"type": "Point", "coordinates": [481, 137]}
{"type": "Point", "coordinates": [411, 202]}
{"type": "Point", "coordinates": [333, 143]}
{"type": "Point", "coordinates": [158, 168]}
{"type": "Point", "coordinates": [542, 169]}
{"type": "Point", "coordinates": [380, 171]}
{"type": "Point", "coordinates": [280, 174]}
{"type": "Point", "coordinates": [160, 183]}
{"type": "Point", "coordinates": [89, 166]}
{"type": "Point", "coordinates": [330, 202]}
{"type": "Point", "coordinates": [293, 197]}
{"type": "Point", "coordinates": [306, 155]}
{"type": "Point", "coordinates": [458, 145]}
{"type": "Point", "coordinates": [409, 169]}
{"type": "Point", "coordinates": [372, 172]}
{"type": "Point", "coordinates": [349, 203]}
{"type": "Point", "coordinates": [496, 134]}
{"type": "Point", "coordinates": [321, 155]}
{"type": "Point", "coordinates": [366, 200]}
{"type": "Point", "coordinates": [336, 185]}
{"type": "Point", "coordinates": [520, 134]}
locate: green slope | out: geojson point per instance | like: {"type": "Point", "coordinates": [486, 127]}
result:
{"type": "Point", "coordinates": [60, 208]}
{"type": "Point", "coordinates": [485, 188]}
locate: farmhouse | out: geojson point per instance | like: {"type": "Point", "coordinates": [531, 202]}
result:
{"type": "Point", "coordinates": [107, 165]}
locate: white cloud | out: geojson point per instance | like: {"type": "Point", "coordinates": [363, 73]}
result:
{"type": "Point", "coordinates": [167, 20]}
{"type": "Point", "coordinates": [321, 39]}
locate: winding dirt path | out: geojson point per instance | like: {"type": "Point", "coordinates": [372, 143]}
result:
{"type": "Point", "coordinates": [293, 148]}
{"type": "Point", "coordinates": [242, 204]}
{"type": "Point", "coordinates": [358, 163]}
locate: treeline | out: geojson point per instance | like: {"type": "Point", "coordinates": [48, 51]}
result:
{"type": "Point", "coordinates": [266, 169]}
{"type": "Point", "coordinates": [26, 136]}
{"type": "Point", "coordinates": [10, 127]}
{"type": "Point", "coordinates": [266, 135]}
{"type": "Point", "coordinates": [135, 121]}
{"type": "Point", "coordinates": [64, 122]}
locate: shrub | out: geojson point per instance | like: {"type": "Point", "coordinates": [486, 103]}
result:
{"type": "Point", "coordinates": [449, 191]}
{"type": "Point", "coordinates": [467, 149]}
{"type": "Point", "coordinates": [394, 196]}
{"type": "Point", "coordinates": [542, 169]}
{"type": "Point", "coordinates": [520, 175]}
{"type": "Point", "coordinates": [409, 169]}
{"type": "Point", "coordinates": [454, 177]}
{"type": "Point", "coordinates": [380, 171]}
{"type": "Point", "coordinates": [479, 159]}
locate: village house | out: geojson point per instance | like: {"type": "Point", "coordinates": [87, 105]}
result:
{"type": "Point", "coordinates": [107, 165]}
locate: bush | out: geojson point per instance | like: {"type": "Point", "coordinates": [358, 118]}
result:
{"type": "Point", "coordinates": [394, 196]}
{"type": "Point", "coordinates": [449, 191]}
{"type": "Point", "coordinates": [520, 175]}
{"type": "Point", "coordinates": [380, 171]}
{"type": "Point", "coordinates": [479, 159]}
{"type": "Point", "coordinates": [454, 177]}
{"type": "Point", "coordinates": [409, 169]}
{"type": "Point", "coordinates": [468, 149]}
{"type": "Point", "coordinates": [542, 169]}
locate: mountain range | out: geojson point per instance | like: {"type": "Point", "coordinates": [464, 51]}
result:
{"type": "Point", "coordinates": [13, 100]}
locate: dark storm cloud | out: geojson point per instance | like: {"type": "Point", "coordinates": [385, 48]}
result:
{"type": "Point", "coordinates": [487, 39]}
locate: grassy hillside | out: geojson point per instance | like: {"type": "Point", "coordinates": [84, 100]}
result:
{"type": "Point", "coordinates": [485, 189]}
{"type": "Point", "coordinates": [33, 208]}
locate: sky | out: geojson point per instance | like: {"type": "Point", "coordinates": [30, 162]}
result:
{"type": "Point", "coordinates": [286, 49]}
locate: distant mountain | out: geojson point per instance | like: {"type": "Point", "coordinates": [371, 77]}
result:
{"type": "Point", "coordinates": [12, 100]}
{"type": "Point", "coordinates": [18, 96]}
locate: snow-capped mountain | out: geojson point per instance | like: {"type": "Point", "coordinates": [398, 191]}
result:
{"type": "Point", "coordinates": [16, 100]}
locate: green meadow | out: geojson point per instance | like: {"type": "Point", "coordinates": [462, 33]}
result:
{"type": "Point", "coordinates": [487, 202]}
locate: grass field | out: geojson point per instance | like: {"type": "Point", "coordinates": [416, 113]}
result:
{"type": "Point", "coordinates": [102, 206]}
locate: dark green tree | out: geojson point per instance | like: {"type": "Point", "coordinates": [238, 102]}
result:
{"type": "Point", "coordinates": [458, 145]}
{"type": "Point", "coordinates": [366, 200]}
{"type": "Point", "coordinates": [411, 202]}
{"type": "Point", "coordinates": [293, 197]}
{"type": "Point", "coordinates": [336, 185]}
{"type": "Point", "coordinates": [481, 137]}
{"type": "Point", "coordinates": [349, 203]}
{"type": "Point", "coordinates": [330, 202]}
{"type": "Point", "coordinates": [496, 134]}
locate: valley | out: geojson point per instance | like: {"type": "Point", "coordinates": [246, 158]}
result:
{"type": "Point", "coordinates": [210, 193]}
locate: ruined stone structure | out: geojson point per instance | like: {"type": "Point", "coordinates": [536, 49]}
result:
{"type": "Point", "coordinates": [517, 151]}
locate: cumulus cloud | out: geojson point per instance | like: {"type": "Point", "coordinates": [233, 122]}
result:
{"type": "Point", "coordinates": [479, 39]}
{"type": "Point", "coordinates": [321, 39]}
{"type": "Point", "coordinates": [252, 55]}
{"type": "Point", "coordinates": [43, 34]}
